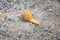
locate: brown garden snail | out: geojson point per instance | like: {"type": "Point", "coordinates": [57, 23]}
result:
{"type": "Point", "coordinates": [27, 15]}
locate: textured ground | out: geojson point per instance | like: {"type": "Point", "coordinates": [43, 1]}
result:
{"type": "Point", "coordinates": [14, 28]}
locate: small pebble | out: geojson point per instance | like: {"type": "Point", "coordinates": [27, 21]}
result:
{"type": "Point", "coordinates": [45, 30]}
{"type": "Point", "coordinates": [0, 32]}
{"type": "Point", "coordinates": [58, 1]}
{"type": "Point", "coordinates": [9, 6]}
{"type": "Point", "coordinates": [3, 33]}
{"type": "Point", "coordinates": [1, 8]}
{"type": "Point", "coordinates": [4, 4]}
{"type": "Point", "coordinates": [12, 19]}
{"type": "Point", "coordinates": [4, 25]}
{"type": "Point", "coordinates": [49, 26]}
{"type": "Point", "coordinates": [9, 0]}
{"type": "Point", "coordinates": [27, 33]}
{"type": "Point", "coordinates": [49, 10]}
{"type": "Point", "coordinates": [25, 0]}
{"type": "Point", "coordinates": [58, 38]}
{"type": "Point", "coordinates": [33, 6]}
{"type": "Point", "coordinates": [19, 35]}
{"type": "Point", "coordinates": [6, 18]}
{"type": "Point", "coordinates": [17, 1]}
{"type": "Point", "coordinates": [0, 25]}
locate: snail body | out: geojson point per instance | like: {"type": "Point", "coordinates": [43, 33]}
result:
{"type": "Point", "coordinates": [27, 15]}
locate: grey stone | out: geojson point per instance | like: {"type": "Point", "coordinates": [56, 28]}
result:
{"type": "Point", "coordinates": [9, 0]}
{"type": "Point", "coordinates": [9, 6]}
{"type": "Point", "coordinates": [1, 8]}
{"type": "Point", "coordinates": [12, 19]}
{"type": "Point", "coordinates": [25, 0]}
{"type": "Point", "coordinates": [4, 25]}
{"type": "Point", "coordinates": [0, 25]}
{"type": "Point", "coordinates": [19, 35]}
{"type": "Point", "coordinates": [33, 6]}
{"type": "Point", "coordinates": [58, 1]}
{"type": "Point", "coordinates": [27, 33]}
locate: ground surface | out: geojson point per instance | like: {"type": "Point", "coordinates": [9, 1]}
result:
{"type": "Point", "coordinates": [14, 28]}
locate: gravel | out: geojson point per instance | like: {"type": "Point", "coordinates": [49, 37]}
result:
{"type": "Point", "coordinates": [14, 28]}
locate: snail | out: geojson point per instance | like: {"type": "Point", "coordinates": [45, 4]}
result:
{"type": "Point", "coordinates": [27, 15]}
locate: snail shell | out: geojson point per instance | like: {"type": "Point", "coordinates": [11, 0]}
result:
{"type": "Point", "coordinates": [26, 14]}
